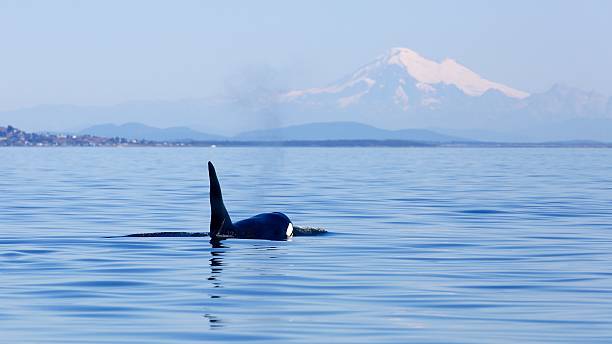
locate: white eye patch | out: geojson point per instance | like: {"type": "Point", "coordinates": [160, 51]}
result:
{"type": "Point", "coordinates": [289, 230]}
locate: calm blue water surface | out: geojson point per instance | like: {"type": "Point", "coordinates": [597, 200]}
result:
{"type": "Point", "coordinates": [428, 245]}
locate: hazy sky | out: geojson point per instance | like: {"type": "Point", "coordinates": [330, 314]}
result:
{"type": "Point", "coordinates": [104, 52]}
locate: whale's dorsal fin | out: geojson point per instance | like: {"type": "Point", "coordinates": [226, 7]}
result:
{"type": "Point", "coordinates": [219, 218]}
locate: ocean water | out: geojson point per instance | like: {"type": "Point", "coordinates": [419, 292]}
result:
{"type": "Point", "coordinates": [426, 245]}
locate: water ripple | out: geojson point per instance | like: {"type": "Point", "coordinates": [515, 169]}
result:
{"type": "Point", "coordinates": [426, 245]}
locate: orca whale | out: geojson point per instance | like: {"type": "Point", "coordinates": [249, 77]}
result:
{"type": "Point", "coordinates": [268, 226]}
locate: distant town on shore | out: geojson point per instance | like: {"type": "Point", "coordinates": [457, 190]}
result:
{"type": "Point", "coordinates": [14, 137]}
{"type": "Point", "coordinates": [11, 136]}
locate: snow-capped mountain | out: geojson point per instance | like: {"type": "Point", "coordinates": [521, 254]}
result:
{"type": "Point", "coordinates": [401, 71]}
{"type": "Point", "coordinates": [402, 81]}
{"type": "Point", "coordinates": [404, 89]}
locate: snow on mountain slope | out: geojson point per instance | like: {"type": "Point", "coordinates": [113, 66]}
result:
{"type": "Point", "coordinates": [414, 77]}
{"type": "Point", "coordinates": [448, 72]}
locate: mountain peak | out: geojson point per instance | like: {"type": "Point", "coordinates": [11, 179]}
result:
{"type": "Point", "coordinates": [422, 73]}
{"type": "Point", "coordinates": [448, 72]}
{"type": "Point", "coordinates": [403, 51]}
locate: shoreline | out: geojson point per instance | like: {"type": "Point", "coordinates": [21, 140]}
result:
{"type": "Point", "coordinates": [325, 144]}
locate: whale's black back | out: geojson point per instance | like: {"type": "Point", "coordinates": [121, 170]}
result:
{"type": "Point", "coordinates": [270, 226]}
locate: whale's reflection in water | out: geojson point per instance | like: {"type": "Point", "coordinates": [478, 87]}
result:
{"type": "Point", "coordinates": [216, 264]}
{"type": "Point", "coordinates": [218, 253]}
{"type": "Point", "coordinates": [216, 267]}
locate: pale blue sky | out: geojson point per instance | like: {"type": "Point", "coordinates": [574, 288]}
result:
{"type": "Point", "coordinates": [105, 52]}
